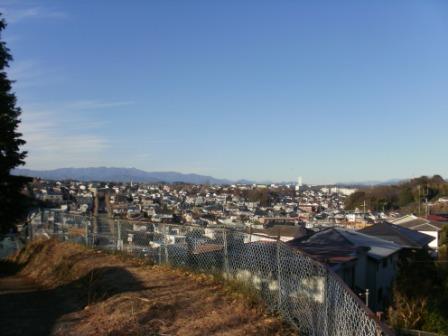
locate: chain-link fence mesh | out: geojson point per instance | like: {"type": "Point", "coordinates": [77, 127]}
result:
{"type": "Point", "coordinates": [304, 291]}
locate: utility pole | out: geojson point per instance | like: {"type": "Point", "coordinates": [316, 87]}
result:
{"type": "Point", "coordinates": [419, 201]}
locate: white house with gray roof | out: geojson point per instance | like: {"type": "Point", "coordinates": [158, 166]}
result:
{"type": "Point", "coordinates": [422, 225]}
{"type": "Point", "coordinates": [363, 261]}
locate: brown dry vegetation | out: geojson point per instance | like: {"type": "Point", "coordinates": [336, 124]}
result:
{"type": "Point", "coordinates": [96, 293]}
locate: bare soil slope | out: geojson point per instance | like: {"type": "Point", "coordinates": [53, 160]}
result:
{"type": "Point", "coordinates": [64, 289]}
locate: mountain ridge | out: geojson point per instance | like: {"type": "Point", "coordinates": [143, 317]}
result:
{"type": "Point", "coordinates": [108, 174]}
{"type": "Point", "coordinates": [122, 174]}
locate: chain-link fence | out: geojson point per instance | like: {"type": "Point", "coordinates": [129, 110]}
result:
{"type": "Point", "coordinates": [304, 291]}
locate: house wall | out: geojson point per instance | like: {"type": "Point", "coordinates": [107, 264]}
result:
{"type": "Point", "coordinates": [361, 271]}
{"type": "Point", "coordinates": [380, 276]}
{"type": "Point", "coordinates": [347, 273]}
{"type": "Point", "coordinates": [371, 281]}
{"type": "Point", "coordinates": [435, 243]}
{"type": "Point", "coordinates": [385, 279]}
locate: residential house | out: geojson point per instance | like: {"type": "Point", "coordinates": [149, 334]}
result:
{"type": "Point", "coordinates": [362, 261]}
{"type": "Point", "coordinates": [422, 225]}
{"type": "Point", "coordinates": [400, 235]}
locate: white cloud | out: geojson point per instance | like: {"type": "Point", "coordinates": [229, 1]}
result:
{"type": "Point", "coordinates": [97, 104]}
{"type": "Point", "coordinates": [60, 133]}
{"type": "Point", "coordinates": [29, 73]}
{"type": "Point", "coordinates": [13, 14]}
{"type": "Point", "coordinates": [24, 70]}
{"type": "Point", "coordinates": [53, 140]}
{"type": "Point", "coordinates": [80, 105]}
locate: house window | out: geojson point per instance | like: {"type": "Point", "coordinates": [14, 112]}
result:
{"type": "Point", "coordinates": [384, 263]}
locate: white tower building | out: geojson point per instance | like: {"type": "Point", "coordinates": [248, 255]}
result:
{"type": "Point", "coordinates": [299, 183]}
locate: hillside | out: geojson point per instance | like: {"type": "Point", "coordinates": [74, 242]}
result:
{"type": "Point", "coordinates": [106, 174]}
{"type": "Point", "coordinates": [64, 289]}
{"type": "Point", "coordinates": [402, 196]}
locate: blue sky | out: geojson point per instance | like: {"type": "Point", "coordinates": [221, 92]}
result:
{"type": "Point", "coordinates": [269, 90]}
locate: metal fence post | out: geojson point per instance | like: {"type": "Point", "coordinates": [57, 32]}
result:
{"type": "Point", "coordinates": [166, 244]}
{"type": "Point", "coordinates": [41, 213]}
{"type": "Point", "coordinates": [159, 250]}
{"type": "Point", "coordinates": [119, 239]}
{"type": "Point", "coordinates": [86, 224]}
{"type": "Point", "coordinates": [367, 297]}
{"type": "Point", "coordinates": [226, 252]}
{"type": "Point", "coordinates": [250, 233]}
{"type": "Point", "coordinates": [64, 227]}
{"type": "Point", "coordinates": [327, 300]}
{"type": "Point", "coordinates": [279, 274]}
{"type": "Point", "coordinates": [91, 231]}
{"type": "Point", "coordinates": [54, 223]}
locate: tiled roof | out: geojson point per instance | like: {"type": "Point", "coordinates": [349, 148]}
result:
{"type": "Point", "coordinates": [336, 242]}
{"type": "Point", "coordinates": [398, 234]}
{"type": "Point", "coordinates": [332, 250]}
{"type": "Point", "coordinates": [417, 223]}
{"type": "Point", "coordinates": [379, 248]}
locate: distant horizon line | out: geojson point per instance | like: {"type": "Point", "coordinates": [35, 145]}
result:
{"type": "Point", "coordinates": [246, 180]}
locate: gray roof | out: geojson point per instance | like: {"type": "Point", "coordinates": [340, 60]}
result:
{"type": "Point", "coordinates": [417, 223]}
{"type": "Point", "coordinates": [329, 247]}
{"type": "Point", "coordinates": [398, 234]}
{"type": "Point", "coordinates": [422, 225]}
{"type": "Point", "coordinates": [378, 248]}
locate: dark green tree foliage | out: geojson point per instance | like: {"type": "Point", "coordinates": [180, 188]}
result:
{"type": "Point", "coordinates": [404, 195]}
{"type": "Point", "coordinates": [423, 306]}
{"type": "Point", "coordinates": [11, 196]}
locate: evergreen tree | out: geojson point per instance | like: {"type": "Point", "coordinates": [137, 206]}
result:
{"type": "Point", "coordinates": [11, 197]}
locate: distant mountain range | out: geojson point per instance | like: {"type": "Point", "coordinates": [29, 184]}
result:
{"type": "Point", "coordinates": [112, 174]}
{"type": "Point", "coordinates": [109, 174]}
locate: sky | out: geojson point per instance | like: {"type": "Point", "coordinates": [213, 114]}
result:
{"type": "Point", "coordinates": [333, 91]}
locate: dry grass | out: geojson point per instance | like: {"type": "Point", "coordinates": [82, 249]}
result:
{"type": "Point", "coordinates": [118, 295]}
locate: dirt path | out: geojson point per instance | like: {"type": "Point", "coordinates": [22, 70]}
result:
{"type": "Point", "coordinates": [26, 308]}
